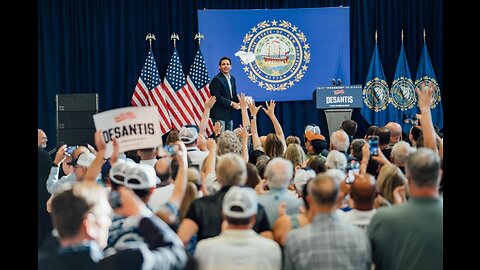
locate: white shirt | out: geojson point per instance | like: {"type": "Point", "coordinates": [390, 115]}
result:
{"type": "Point", "coordinates": [238, 249]}
{"type": "Point", "coordinates": [358, 218]}
{"type": "Point", "coordinates": [160, 196]}
{"type": "Point", "coordinates": [196, 156]}
{"type": "Point", "coordinates": [229, 83]}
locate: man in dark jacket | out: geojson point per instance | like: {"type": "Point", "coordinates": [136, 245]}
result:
{"type": "Point", "coordinates": [223, 87]}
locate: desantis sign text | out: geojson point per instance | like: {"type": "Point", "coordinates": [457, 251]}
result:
{"type": "Point", "coordinates": [339, 97]}
{"type": "Point", "coordinates": [132, 127]}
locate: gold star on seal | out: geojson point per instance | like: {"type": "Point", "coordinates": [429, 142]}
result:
{"type": "Point", "coordinates": [260, 84]}
{"type": "Point", "coordinates": [243, 48]}
{"type": "Point", "coordinates": [274, 23]}
{"type": "Point", "coordinates": [290, 83]}
{"type": "Point", "coordinates": [294, 29]}
{"type": "Point", "coordinates": [304, 67]}
{"type": "Point", "coordinates": [306, 46]}
{"type": "Point", "coordinates": [254, 29]}
{"type": "Point", "coordinates": [245, 68]}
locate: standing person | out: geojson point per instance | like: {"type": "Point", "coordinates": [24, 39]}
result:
{"type": "Point", "coordinates": [223, 87]}
{"type": "Point", "coordinates": [45, 162]}
{"type": "Point", "coordinates": [410, 235]}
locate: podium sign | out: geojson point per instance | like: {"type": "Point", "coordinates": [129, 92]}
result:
{"type": "Point", "coordinates": [339, 97]}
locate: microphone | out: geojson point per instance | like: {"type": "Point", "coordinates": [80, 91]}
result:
{"type": "Point", "coordinates": [333, 82]}
{"type": "Point", "coordinates": [339, 82]}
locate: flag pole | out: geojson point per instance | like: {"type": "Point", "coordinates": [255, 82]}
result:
{"type": "Point", "coordinates": [174, 37]}
{"type": "Point", "coordinates": [376, 36]}
{"type": "Point", "coordinates": [424, 36]}
{"type": "Point", "coordinates": [402, 35]}
{"type": "Point", "coordinates": [150, 37]}
{"type": "Point", "coordinates": [199, 36]}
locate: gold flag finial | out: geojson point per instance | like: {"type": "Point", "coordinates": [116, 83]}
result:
{"type": "Point", "coordinates": [424, 36]}
{"type": "Point", "coordinates": [402, 35]}
{"type": "Point", "coordinates": [150, 37]}
{"type": "Point", "coordinates": [376, 36]}
{"type": "Point", "coordinates": [199, 36]}
{"type": "Point", "coordinates": [174, 37]}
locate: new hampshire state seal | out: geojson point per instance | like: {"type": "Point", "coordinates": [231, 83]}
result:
{"type": "Point", "coordinates": [282, 54]}
{"type": "Point", "coordinates": [402, 94]}
{"type": "Point", "coordinates": [375, 94]}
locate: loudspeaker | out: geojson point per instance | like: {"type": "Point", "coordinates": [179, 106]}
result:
{"type": "Point", "coordinates": [75, 124]}
{"type": "Point", "coordinates": [76, 137]}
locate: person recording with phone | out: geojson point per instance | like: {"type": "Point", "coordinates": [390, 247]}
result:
{"type": "Point", "coordinates": [223, 87]}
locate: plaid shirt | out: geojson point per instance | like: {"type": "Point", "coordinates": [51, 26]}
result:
{"type": "Point", "coordinates": [327, 243]}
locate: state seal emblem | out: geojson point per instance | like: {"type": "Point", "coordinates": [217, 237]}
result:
{"type": "Point", "coordinates": [402, 94]}
{"type": "Point", "coordinates": [436, 93]}
{"type": "Point", "coordinates": [375, 94]}
{"type": "Point", "coordinates": [281, 54]}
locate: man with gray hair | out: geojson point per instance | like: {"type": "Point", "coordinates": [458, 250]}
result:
{"type": "Point", "coordinates": [204, 215]}
{"type": "Point", "coordinates": [339, 141]}
{"type": "Point", "coordinates": [279, 173]}
{"type": "Point", "coordinates": [327, 243]}
{"type": "Point", "coordinates": [401, 234]}
{"type": "Point", "coordinates": [400, 152]}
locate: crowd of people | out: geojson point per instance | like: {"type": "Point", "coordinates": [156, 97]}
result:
{"type": "Point", "coordinates": [238, 200]}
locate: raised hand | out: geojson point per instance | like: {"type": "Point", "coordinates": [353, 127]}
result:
{"type": "Point", "coordinates": [253, 109]}
{"type": "Point", "coordinates": [270, 111]}
{"type": "Point", "coordinates": [210, 102]}
{"type": "Point", "coordinates": [217, 128]}
{"type": "Point", "coordinates": [425, 95]}
{"type": "Point", "coordinates": [243, 101]}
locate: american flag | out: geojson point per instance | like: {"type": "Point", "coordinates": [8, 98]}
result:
{"type": "Point", "coordinates": [148, 92]}
{"type": "Point", "coordinates": [177, 96]}
{"type": "Point", "coordinates": [197, 81]}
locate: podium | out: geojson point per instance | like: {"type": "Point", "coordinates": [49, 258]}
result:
{"type": "Point", "coordinates": [338, 103]}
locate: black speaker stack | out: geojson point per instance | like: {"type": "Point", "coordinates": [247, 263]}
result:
{"type": "Point", "coordinates": [75, 124]}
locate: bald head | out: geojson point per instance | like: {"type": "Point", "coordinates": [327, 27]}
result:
{"type": "Point", "coordinates": [363, 192]}
{"type": "Point", "coordinates": [42, 139]}
{"type": "Point", "coordinates": [395, 132]}
{"type": "Point", "coordinates": [324, 190]}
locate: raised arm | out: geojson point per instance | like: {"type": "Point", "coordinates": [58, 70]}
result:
{"type": "Point", "coordinates": [181, 179]}
{"type": "Point", "coordinates": [253, 124]}
{"type": "Point", "coordinates": [425, 116]}
{"type": "Point", "coordinates": [244, 134]}
{"type": "Point", "coordinates": [270, 111]}
{"type": "Point", "coordinates": [206, 114]}
{"type": "Point", "coordinates": [243, 107]}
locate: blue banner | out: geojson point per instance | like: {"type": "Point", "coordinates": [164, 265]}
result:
{"type": "Point", "coordinates": [376, 94]}
{"type": "Point", "coordinates": [402, 93]}
{"type": "Point", "coordinates": [339, 97]}
{"type": "Point", "coordinates": [426, 75]}
{"type": "Point", "coordinates": [280, 54]}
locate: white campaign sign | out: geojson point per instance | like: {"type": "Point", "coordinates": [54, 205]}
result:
{"type": "Point", "coordinates": [133, 127]}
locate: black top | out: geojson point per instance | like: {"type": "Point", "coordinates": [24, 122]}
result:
{"type": "Point", "coordinates": [207, 213]}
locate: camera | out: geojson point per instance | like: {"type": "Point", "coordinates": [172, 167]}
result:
{"type": "Point", "coordinates": [410, 119]}
{"type": "Point", "coordinates": [373, 142]}
{"type": "Point", "coordinates": [114, 199]}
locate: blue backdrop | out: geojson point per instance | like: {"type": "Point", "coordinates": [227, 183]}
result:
{"type": "Point", "coordinates": [92, 46]}
{"type": "Point", "coordinates": [314, 61]}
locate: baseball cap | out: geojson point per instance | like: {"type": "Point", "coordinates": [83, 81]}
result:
{"type": "Point", "coordinates": [240, 202]}
{"type": "Point", "coordinates": [314, 136]}
{"type": "Point", "coordinates": [313, 128]}
{"type": "Point", "coordinates": [118, 170]}
{"type": "Point", "coordinates": [302, 176]}
{"type": "Point", "coordinates": [84, 159]}
{"type": "Point", "coordinates": [140, 176]}
{"type": "Point", "coordinates": [188, 133]}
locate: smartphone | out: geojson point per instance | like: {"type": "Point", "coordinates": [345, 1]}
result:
{"type": "Point", "coordinates": [410, 119]}
{"type": "Point", "coordinates": [373, 142]}
{"type": "Point", "coordinates": [352, 168]}
{"type": "Point", "coordinates": [114, 199]}
{"type": "Point", "coordinates": [70, 149]}
{"type": "Point", "coordinates": [170, 149]}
